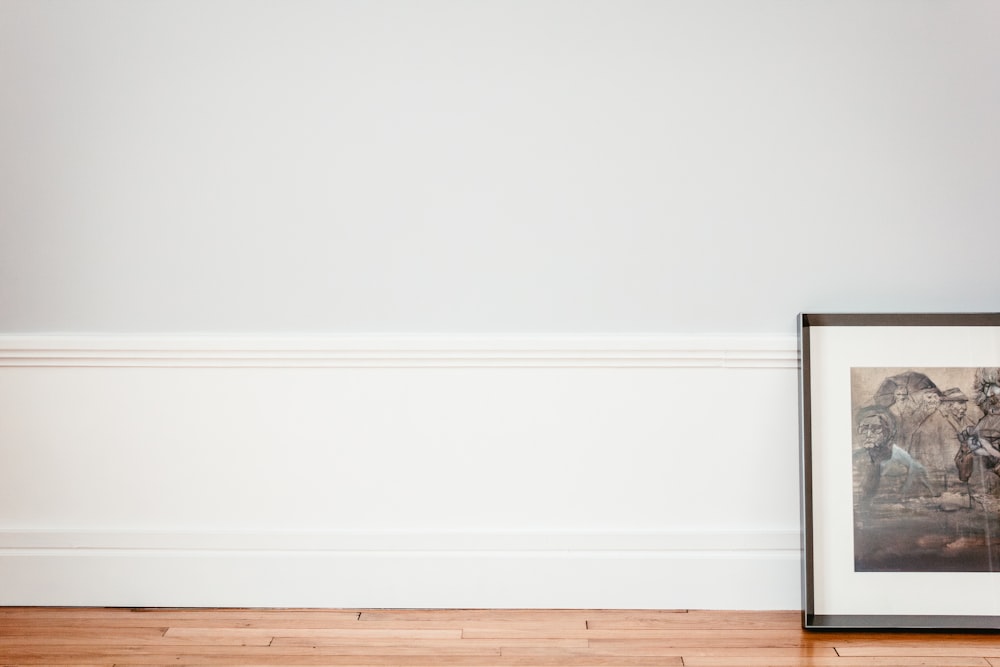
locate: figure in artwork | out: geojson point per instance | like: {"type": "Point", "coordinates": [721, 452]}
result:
{"type": "Point", "coordinates": [926, 469]}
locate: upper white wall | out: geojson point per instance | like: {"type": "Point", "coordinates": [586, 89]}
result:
{"type": "Point", "coordinates": [488, 166]}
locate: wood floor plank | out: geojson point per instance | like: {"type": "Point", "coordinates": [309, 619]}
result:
{"type": "Point", "coordinates": [556, 660]}
{"type": "Point", "coordinates": [58, 621]}
{"type": "Point", "coordinates": [264, 636]}
{"type": "Point", "coordinates": [554, 624]}
{"type": "Point", "coordinates": [276, 660]}
{"type": "Point", "coordinates": [589, 652]}
{"type": "Point", "coordinates": [285, 660]}
{"type": "Point", "coordinates": [620, 647]}
{"type": "Point", "coordinates": [699, 619]}
{"type": "Point", "coordinates": [922, 650]}
{"type": "Point", "coordinates": [681, 636]}
{"type": "Point", "coordinates": [251, 652]}
{"type": "Point", "coordinates": [11, 624]}
{"type": "Point", "coordinates": [32, 637]}
{"type": "Point", "coordinates": [308, 640]}
{"type": "Point", "coordinates": [516, 615]}
{"type": "Point", "coordinates": [847, 641]}
{"type": "Point", "coordinates": [834, 662]}
{"type": "Point", "coordinates": [81, 632]}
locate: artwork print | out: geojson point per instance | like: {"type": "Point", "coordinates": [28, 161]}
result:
{"type": "Point", "coordinates": [926, 469]}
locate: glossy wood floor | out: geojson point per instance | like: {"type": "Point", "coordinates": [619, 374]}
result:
{"type": "Point", "coordinates": [247, 637]}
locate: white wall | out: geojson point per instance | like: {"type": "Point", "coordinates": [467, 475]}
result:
{"type": "Point", "coordinates": [198, 196]}
{"type": "Point", "coordinates": [487, 166]}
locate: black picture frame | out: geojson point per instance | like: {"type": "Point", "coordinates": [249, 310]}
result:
{"type": "Point", "coordinates": [889, 541]}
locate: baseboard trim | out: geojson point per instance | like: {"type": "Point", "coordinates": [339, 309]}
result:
{"type": "Point", "coordinates": [722, 569]}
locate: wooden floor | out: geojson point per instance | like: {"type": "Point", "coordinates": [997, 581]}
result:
{"type": "Point", "coordinates": [247, 637]}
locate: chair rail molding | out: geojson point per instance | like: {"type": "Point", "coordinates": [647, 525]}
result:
{"type": "Point", "coordinates": [613, 351]}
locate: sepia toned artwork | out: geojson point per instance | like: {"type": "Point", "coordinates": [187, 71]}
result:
{"type": "Point", "coordinates": [926, 458]}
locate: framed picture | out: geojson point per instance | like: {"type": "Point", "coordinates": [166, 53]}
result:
{"type": "Point", "coordinates": [900, 435]}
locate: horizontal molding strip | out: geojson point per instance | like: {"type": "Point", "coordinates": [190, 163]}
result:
{"type": "Point", "coordinates": [779, 352]}
{"type": "Point", "coordinates": [707, 570]}
{"type": "Point", "coordinates": [562, 542]}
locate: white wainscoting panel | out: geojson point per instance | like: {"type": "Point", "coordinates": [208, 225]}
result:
{"type": "Point", "coordinates": [625, 472]}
